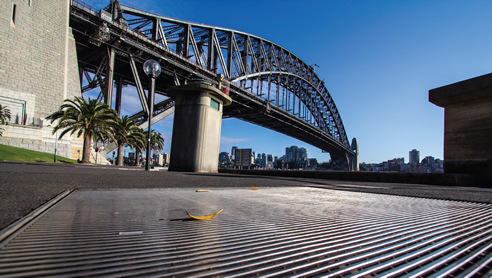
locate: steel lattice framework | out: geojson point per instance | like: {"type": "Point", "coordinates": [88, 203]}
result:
{"type": "Point", "coordinates": [269, 85]}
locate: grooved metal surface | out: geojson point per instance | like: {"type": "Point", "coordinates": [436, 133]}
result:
{"type": "Point", "coordinates": [273, 232]}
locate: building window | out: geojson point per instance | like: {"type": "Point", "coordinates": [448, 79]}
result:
{"type": "Point", "coordinates": [14, 11]}
{"type": "Point", "coordinates": [214, 104]}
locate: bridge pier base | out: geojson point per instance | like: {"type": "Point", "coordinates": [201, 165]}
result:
{"type": "Point", "coordinates": [196, 129]}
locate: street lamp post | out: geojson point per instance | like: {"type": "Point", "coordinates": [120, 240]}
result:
{"type": "Point", "coordinates": [152, 69]}
{"type": "Point", "coordinates": [56, 141]}
{"type": "Point", "coordinates": [155, 148]}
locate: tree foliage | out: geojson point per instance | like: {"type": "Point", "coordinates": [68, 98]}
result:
{"type": "Point", "coordinates": [127, 132]}
{"type": "Point", "coordinates": [4, 117]}
{"type": "Point", "coordinates": [90, 118]}
{"type": "Point", "coordinates": [137, 145]}
{"type": "Point", "coordinates": [156, 140]}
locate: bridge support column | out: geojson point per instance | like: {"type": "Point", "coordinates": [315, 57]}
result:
{"type": "Point", "coordinates": [196, 129]}
{"type": "Point", "coordinates": [108, 96]}
{"type": "Point", "coordinates": [119, 90]}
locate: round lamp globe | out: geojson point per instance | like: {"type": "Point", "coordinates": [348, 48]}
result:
{"type": "Point", "coordinates": [152, 68]}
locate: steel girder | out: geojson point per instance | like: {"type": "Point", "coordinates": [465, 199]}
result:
{"type": "Point", "coordinates": [284, 84]}
{"type": "Point", "coordinates": [240, 56]}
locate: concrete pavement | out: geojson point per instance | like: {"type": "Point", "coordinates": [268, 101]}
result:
{"type": "Point", "coordinates": [26, 186]}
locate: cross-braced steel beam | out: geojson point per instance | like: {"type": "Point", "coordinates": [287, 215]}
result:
{"type": "Point", "coordinates": [263, 78]}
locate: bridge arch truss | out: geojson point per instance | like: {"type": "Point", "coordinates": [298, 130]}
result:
{"type": "Point", "coordinates": [269, 85]}
{"type": "Point", "coordinates": [245, 60]}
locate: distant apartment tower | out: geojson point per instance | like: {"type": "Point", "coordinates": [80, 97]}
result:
{"type": "Point", "coordinates": [166, 158]}
{"type": "Point", "coordinates": [414, 157]}
{"type": "Point", "coordinates": [291, 153]}
{"type": "Point", "coordinates": [160, 159]}
{"type": "Point", "coordinates": [428, 161]}
{"type": "Point", "coordinates": [243, 158]}
{"type": "Point", "coordinates": [233, 152]}
{"type": "Point", "coordinates": [302, 154]}
{"type": "Point", "coordinates": [263, 159]}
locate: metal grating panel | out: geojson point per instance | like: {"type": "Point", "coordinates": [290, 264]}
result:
{"type": "Point", "coordinates": [274, 232]}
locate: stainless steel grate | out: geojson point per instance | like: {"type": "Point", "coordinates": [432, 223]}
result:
{"type": "Point", "coordinates": [273, 232]}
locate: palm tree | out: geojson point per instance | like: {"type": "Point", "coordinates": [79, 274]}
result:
{"type": "Point", "coordinates": [92, 119]}
{"type": "Point", "coordinates": [126, 131]}
{"type": "Point", "coordinates": [156, 140]}
{"type": "Point", "coordinates": [137, 145]}
{"type": "Point", "coordinates": [4, 117]}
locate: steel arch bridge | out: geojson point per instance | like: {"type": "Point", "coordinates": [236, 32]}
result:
{"type": "Point", "coordinates": [269, 85]}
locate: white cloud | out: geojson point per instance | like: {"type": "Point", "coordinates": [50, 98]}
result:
{"type": "Point", "coordinates": [228, 140]}
{"type": "Point", "coordinates": [130, 102]}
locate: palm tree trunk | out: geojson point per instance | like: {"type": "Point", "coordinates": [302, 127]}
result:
{"type": "Point", "coordinates": [137, 157]}
{"type": "Point", "coordinates": [86, 155]}
{"type": "Point", "coordinates": [120, 153]}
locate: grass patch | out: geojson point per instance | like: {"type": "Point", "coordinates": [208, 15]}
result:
{"type": "Point", "coordinates": [9, 153]}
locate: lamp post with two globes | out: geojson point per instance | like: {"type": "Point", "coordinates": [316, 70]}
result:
{"type": "Point", "coordinates": [152, 69]}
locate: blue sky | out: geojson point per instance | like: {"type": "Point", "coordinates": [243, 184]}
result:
{"type": "Point", "coordinates": [378, 59]}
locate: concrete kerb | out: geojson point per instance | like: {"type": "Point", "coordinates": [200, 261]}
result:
{"type": "Point", "coordinates": [411, 178]}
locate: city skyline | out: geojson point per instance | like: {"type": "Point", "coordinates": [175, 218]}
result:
{"type": "Point", "coordinates": [378, 61]}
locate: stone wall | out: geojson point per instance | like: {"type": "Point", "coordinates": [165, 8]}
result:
{"type": "Point", "coordinates": [40, 139]}
{"type": "Point", "coordinates": [468, 129]}
{"type": "Point", "coordinates": [38, 70]}
{"type": "Point", "coordinates": [467, 126]}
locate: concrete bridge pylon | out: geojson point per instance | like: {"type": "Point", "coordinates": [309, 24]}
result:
{"type": "Point", "coordinates": [196, 129]}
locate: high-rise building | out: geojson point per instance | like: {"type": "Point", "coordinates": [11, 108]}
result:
{"type": "Point", "coordinates": [291, 153]}
{"type": "Point", "coordinates": [428, 161]}
{"type": "Point", "coordinates": [166, 158]}
{"type": "Point", "coordinates": [160, 159]}
{"type": "Point", "coordinates": [302, 153]}
{"type": "Point", "coordinates": [263, 159]}
{"type": "Point", "coordinates": [414, 157]}
{"type": "Point", "coordinates": [243, 158]}
{"type": "Point", "coordinates": [233, 152]}
{"type": "Point", "coordinates": [270, 157]}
